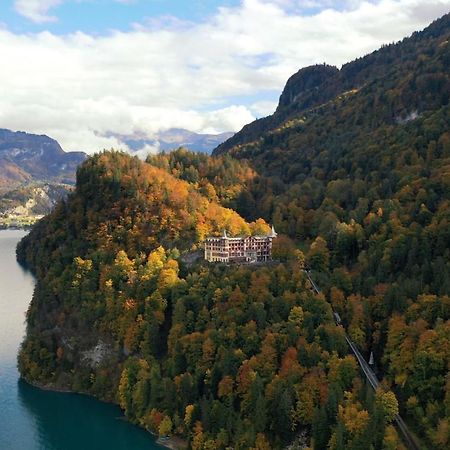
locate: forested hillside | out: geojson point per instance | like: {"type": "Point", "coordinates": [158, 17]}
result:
{"type": "Point", "coordinates": [354, 171]}
{"type": "Point", "coordinates": [235, 356]}
{"type": "Point", "coordinates": [355, 166]}
{"type": "Point", "coordinates": [385, 87]}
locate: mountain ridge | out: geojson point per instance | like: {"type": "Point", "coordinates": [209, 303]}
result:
{"type": "Point", "coordinates": [30, 157]}
{"type": "Point", "coordinates": [35, 173]}
{"type": "Point", "coordinates": [316, 85]}
{"type": "Point", "coordinates": [174, 138]}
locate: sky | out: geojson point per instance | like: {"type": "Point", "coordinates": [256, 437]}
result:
{"type": "Point", "coordinates": [88, 71]}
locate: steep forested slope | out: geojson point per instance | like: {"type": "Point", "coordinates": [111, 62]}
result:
{"type": "Point", "coordinates": [393, 82]}
{"type": "Point", "coordinates": [355, 166]}
{"type": "Point", "coordinates": [246, 357]}
{"type": "Point", "coordinates": [222, 179]}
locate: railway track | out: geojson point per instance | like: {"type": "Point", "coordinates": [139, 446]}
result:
{"type": "Point", "coordinates": [372, 379]}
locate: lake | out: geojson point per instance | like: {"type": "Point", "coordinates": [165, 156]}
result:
{"type": "Point", "coordinates": [32, 419]}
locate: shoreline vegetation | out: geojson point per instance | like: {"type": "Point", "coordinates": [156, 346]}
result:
{"type": "Point", "coordinates": [173, 442]}
{"type": "Point", "coordinates": [18, 222]}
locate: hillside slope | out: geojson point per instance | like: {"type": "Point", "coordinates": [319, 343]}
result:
{"type": "Point", "coordinates": [25, 157]}
{"type": "Point", "coordinates": [416, 66]}
{"type": "Point", "coordinates": [355, 165]}
{"type": "Point", "coordinates": [35, 173]}
{"type": "Point", "coordinates": [241, 356]}
{"type": "Point", "coordinates": [116, 314]}
{"type": "Point", "coordinates": [24, 205]}
{"type": "Point", "coordinates": [116, 193]}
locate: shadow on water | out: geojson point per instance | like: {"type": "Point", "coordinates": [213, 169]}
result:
{"type": "Point", "coordinates": [72, 422]}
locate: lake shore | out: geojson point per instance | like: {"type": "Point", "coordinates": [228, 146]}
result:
{"type": "Point", "coordinates": [173, 442]}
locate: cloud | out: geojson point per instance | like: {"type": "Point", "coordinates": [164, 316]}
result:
{"type": "Point", "coordinates": [79, 88]}
{"type": "Point", "coordinates": [36, 10]}
{"type": "Point", "coordinates": [263, 108]}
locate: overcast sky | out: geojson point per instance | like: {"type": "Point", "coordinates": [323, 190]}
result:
{"type": "Point", "coordinates": [79, 70]}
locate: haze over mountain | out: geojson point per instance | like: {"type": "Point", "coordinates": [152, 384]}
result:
{"type": "Point", "coordinates": [173, 138]}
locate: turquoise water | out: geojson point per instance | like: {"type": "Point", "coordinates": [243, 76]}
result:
{"type": "Point", "coordinates": [32, 419]}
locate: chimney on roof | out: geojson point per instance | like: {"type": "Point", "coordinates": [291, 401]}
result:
{"type": "Point", "coordinates": [225, 234]}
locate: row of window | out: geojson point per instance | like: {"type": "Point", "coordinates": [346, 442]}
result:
{"type": "Point", "coordinates": [237, 247]}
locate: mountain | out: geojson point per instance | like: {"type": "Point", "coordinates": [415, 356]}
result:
{"type": "Point", "coordinates": [383, 85]}
{"type": "Point", "coordinates": [355, 166]}
{"type": "Point", "coordinates": [28, 157]}
{"type": "Point", "coordinates": [35, 173]}
{"type": "Point", "coordinates": [222, 356]}
{"type": "Point", "coordinates": [177, 137]}
{"type": "Point", "coordinates": [353, 169]}
{"type": "Point", "coordinates": [24, 205]}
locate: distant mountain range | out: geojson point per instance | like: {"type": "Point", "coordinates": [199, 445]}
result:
{"type": "Point", "coordinates": [28, 158]}
{"type": "Point", "coordinates": [175, 138]}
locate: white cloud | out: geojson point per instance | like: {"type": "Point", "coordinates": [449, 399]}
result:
{"type": "Point", "coordinates": [77, 88]}
{"type": "Point", "coordinates": [263, 108]}
{"type": "Point", "coordinates": [146, 150]}
{"type": "Point", "coordinates": [36, 10]}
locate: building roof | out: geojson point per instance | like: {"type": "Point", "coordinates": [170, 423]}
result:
{"type": "Point", "coordinates": [272, 234]}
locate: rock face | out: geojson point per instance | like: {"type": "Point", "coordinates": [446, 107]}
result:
{"type": "Point", "coordinates": [28, 157]}
{"type": "Point", "coordinates": [33, 199]}
{"type": "Point", "coordinates": [303, 88]}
